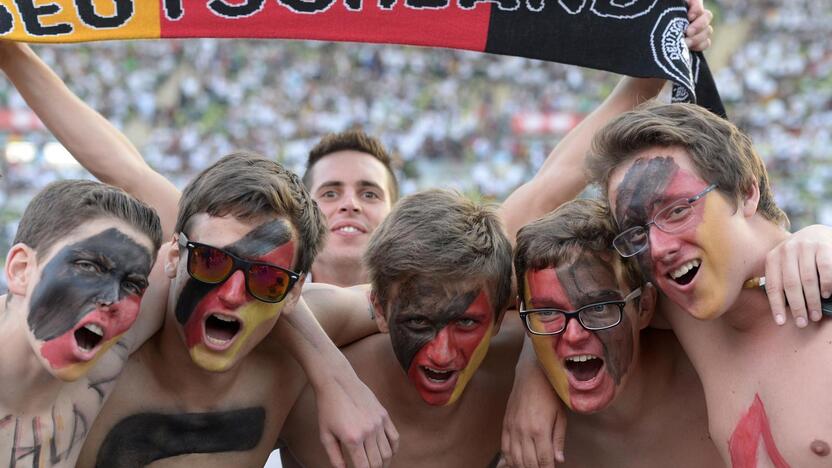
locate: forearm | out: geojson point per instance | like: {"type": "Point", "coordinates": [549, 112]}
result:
{"type": "Point", "coordinates": [92, 140]}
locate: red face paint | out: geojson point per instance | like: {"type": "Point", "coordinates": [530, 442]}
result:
{"type": "Point", "coordinates": [586, 368]}
{"type": "Point", "coordinates": [752, 437]}
{"type": "Point", "coordinates": [457, 336]}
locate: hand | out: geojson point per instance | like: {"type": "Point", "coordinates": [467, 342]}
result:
{"type": "Point", "coordinates": [699, 32]}
{"type": "Point", "coordinates": [534, 426]}
{"type": "Point", "coordinates": [801, 268]}
{"type": "Point", "coordinates": [354, 425]}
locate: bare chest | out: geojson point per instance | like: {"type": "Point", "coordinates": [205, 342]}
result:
{"type": "Point", "coordinates": [152, 422]}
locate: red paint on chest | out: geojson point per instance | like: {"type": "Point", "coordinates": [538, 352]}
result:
{"type": "Point", "coordinates": [751, 429]}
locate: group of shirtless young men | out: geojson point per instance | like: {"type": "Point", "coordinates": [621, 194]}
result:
{"type": "Point", "coordinates": [222, 349]}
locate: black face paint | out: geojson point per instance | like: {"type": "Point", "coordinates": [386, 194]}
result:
{"type": "Point", "coordinates": [82, 275]}
{"type": "Point", "coordinates": [427, 303]}
{"type": "Point", "coordinates": [260, 241]}
{"type": "Point", "coordinates": [580, 280]}
{"type": "Point", "coordinates": [141, 439]}
{"type": "Point", "coordinates": [641, 189]}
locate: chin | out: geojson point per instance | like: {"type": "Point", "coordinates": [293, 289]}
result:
{"type": "Point", "coordinates": [591, 403]}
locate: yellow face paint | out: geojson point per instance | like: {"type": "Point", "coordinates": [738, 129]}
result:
{"type": "Point", "coordinates": [710, 298]}
{"type": "Point", "coordinates": [254, 316]}
{"type": "Point", "coordinates": [474, 364]}
{"type": "Point", "coordinates": [73, 372]}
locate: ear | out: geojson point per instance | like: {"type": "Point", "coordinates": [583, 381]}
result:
{"type": "Point", "coordinates": [378, 313]}
{"type": "Point", "coordinates": [20, 262]}
{"type": "Point", "coordinates": [646, 305]}
{"type": "Point", "coordinates": [751, 200]}
{"type": "Point", "coordinates": [296, 292]}
{"type": "Point", "coordinates": [172, 259]}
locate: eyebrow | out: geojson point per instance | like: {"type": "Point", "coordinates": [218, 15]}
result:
{"type": "Point", "coordinates": [105, 260]}
{"type": "Point", "coordinates": [338, 183]}
{"type": "Point", "coordinates": [585, 299]}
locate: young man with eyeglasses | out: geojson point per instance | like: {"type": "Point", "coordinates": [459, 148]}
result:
{"type": "Point", "coordinates": [213, 385]}
{"type": "Point", "coordinates": [693, 201]}
{"type": "Point", "coordinates": [634, 398]}
{"type": "Point", "coordinates": [79, 266]}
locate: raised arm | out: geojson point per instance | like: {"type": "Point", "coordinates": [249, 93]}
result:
{"type": "Point", "coordinates": [561, 177]}
{"type": "Point", "coordinates": [92, 140]}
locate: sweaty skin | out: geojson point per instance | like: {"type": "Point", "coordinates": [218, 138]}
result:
{"type": "Point", "coordinates": [751, 443]}
{"type": "Point", "coordinates": [451, 337]}
{"type": "Point", "coordinates": [648, 186]}
{"type": "Point", "coordinates": [270, 243]}
{"type": "Point", "coordinates": [97, 281]}
{"type": "Point", "coordinates": [585, 280]}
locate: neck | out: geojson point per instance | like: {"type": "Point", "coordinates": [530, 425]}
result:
{"type": "Point", "coordinates": [34, 388]}
{"type": "Point", "coordinates": [751, 310]}
{"type": "Point", "coordinates": [343, 272]}
{"type": "Point", "coordinates": [202, 389]}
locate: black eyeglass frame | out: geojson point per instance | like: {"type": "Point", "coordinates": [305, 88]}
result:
{"type": "Point", "coordinates": [238, 264]}
{"type": "Point", "coordinates": [646, 227]}
{"type": "Point", "coordinates": [524, 314]}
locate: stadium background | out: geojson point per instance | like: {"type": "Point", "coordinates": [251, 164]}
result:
{"type": "Point", "coordinates": [475, 122]}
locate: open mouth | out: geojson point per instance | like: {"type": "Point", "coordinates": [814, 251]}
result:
{"type": "Point", "coordinates": [584, 367]}
{"type": "Point", "coordinates": [685, 273]}
{"type": "Point", "coordinates": [89, 336]}
{"type": "Point", "coordinates": [438, 376]}
{"type": "Point", "coordinates": [221, 329]}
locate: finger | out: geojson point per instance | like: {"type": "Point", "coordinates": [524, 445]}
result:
{"type": "Point", "coordinates": [695, 8]}
{"type": "Point", "coordinates": [809, 279]}
{"type": "Point", "coordinates": [529, 453]}
{"type": "Point", "coordinates": [505, 446]}
{"type": "Point", "coordinates": [559, 437]}
{"type": "Point", "coordinates": [700, 40]}
{"type": "Point", "coordinates": [792, 285]}
{"type": "Point", "coordinates": [373, 452]}
{"type": "Point", "coordinates": [357, 454]}
{"type": "Point", "coordinates": [384, 449]}
{"type": "Point", "coordinates": [774, 289]}
{"type": "Point", "coordinates": [824, 262]}
{"type": "Point", "coordinates": [544, 451]}
{"type": "Point", "coordinates": [517, 451]}
{"type": "Point", "coordinates": [392, 434]}
{"type": "Point", "coordinates": [333, 451]}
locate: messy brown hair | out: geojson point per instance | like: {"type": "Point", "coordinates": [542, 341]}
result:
{"type": "Point", "coordinates": [249, 187]}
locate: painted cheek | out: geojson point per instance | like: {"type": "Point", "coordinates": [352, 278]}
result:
{"type": "Point", "coordinates": [618, 348]}
{"type": "Point", "coordinates": [194, 329]}
{"type": "Point", "coordinates": [254, 316]}
{"type": "Point", "coordinates": [475, 359]}
{"type": "Point", "coordinates": [544, 348]}
{"type": "Point", "coordinates": [713, 282]}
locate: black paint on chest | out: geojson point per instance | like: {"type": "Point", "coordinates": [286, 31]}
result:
{"type": "Point", "coordinates": [141, 439]}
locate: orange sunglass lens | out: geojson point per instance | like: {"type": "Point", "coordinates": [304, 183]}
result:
{"type": "Point", "coordinates": [267, 282]}
{"type": "Point", "coordinates": [210, 265]}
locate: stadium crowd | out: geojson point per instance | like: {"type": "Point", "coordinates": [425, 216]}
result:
{"type": "Point", "coordinates": [448, 115]}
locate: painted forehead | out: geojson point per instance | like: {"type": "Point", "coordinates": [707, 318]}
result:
{"type": "Point", "coordinates": [586, 279]}
{"type": "Point", "coordinates": [649, 185]}
{"type": "Point", "coordinates": [262, 242]}
{"type": "Point", "coordinates": [114, 250]}
{"type": "Point", "coordinates": [439, 302]}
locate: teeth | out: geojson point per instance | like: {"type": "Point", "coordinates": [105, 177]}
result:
{"type": "Point", "coordinates": [581, 358]}
{"type": "Point", "coordinates": [94, 329]}
{"type": "Point", "coordinates": [224, 318]}
{"type": "Point", "coordinates": [685, 268]}
{"type": "Point", "coordinates": [348, 229]}
{"type": "Point", "coordinates": [215, 341]}
{"type": "Point", "coordinates": [435, 371]}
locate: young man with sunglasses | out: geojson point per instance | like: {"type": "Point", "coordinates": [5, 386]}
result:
{"type": "Point", "coordinates": [587, 313]}
{"type": "Point", "coordinates": [693, 201]}
{"type": "Point", "coordinates": [214, 384]}
{"type": "Point", "coordinates": [78, 268]}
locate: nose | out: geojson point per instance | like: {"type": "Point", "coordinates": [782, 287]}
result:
{"type": "Point", "coordinates": [662, 245]}
{"type": "Point", "coordinates": [350, 203]}
{"type": "Point", "coordinates": [107, 299]}
{"type": "Point", "coordinates": [232, 293]}
{"type": "Point", "coordinates": [575, 332]}
{"type": "Point", "coordinates": [440, 350]}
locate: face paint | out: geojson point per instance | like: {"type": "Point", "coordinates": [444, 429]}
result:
{"type": "Point", "coordinates": [87, 297]}
{"type": "Point", "coordinates": [440, 341]}
{"type": "Point", "coordinates": [648, 186]}
{"type": "Point", "coordinates": [751, 444]}
{"type": "Point", "coordinates": [589, 385]}
{"type": "Point", "coordinates": [220, 320]}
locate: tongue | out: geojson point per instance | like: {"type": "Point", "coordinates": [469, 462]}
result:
{"type": "Point", "coordinates": [86, 339]}
{"type": "Point", "coordinates": [586, 370]}
{"type": "Point", "coordinates": [221, 329]}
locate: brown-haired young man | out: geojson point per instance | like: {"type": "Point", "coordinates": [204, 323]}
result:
{"type": "Point", "coordinates": [76, 273]}
{"type": "Point", "coordinates": [587, 312]}
{"type": "Point", "coordinates": [440, 267]}
{"type": "Point", "coordinates": [213, 386]}
{"type": "Point", "coordinates": [694, 207]}
{"type": "Point", "coordinates": [349, 175]}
